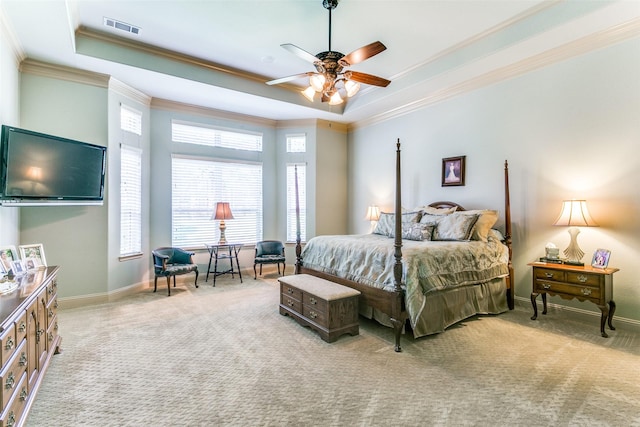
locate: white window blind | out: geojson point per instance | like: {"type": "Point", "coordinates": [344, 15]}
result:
{"type": "Point", "coordinates": [201, 135]}
{"type": "Point", "coordinates": [291, 201]}
{"type": "Point", "coordinates": [296, 143]}
{"type": "Point", "coordinates": [130, 200]}
{"type": "Point", "coordinates": [130, 120]}
{"type": "Point", "coordinates": [197, 184]}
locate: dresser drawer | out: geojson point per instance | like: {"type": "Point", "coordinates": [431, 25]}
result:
{"type": "Point", "coordinates": [318, 304]}
{"type": "Point", "coordinates": [13, 413]}
{"type": "Point", "coordinates": [9, 344]}
{"type": "Point", "coordinates": [21, 327]}
{"type": "Point", "coordinates": [12, 373]}
{"type": "Point", "coordinates": [315, 315]}
{"type": "Point", "coordinates": [52, 289]}
{"type": "Point", "coordinates": [291, 291]}
{"type": "Point", "coordinates": [592, 293]}
{"type": "Point", "coordinates": [291, 303]}
{"type": "Point", "coordinates": [52, 309]}
{"type": "Point", "coordinates": [52, 333]}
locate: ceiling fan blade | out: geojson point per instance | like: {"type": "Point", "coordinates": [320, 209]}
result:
{"type": "Point", "coordinates": [363, 53]}
{"type": "Point", "coordinates": [300, 53]}
{"type": "Point", "coordinates": [365, 78]}
{"type": "Point", "coordinates": [289, 78]}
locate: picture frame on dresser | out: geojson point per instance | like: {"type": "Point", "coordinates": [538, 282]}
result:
{"type": "Point", "coordinates": [33, 255]}
{"type": "Point", "coordinates": [601, 258]}
{"type": "Point", "coordinates": [8, 254]}
{"type": "Point", "coordinates": [453, 171]}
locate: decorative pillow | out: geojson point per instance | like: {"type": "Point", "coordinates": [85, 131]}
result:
{"type": "Point", "coordinates": [496, 234]}
{"type": "Point", "coordinates": [486, 219]}
{"type": "Point", "coordinates": [428, 218]}
{"type": "Point", "coordinates": [455, 227]}
{"type": "Point", "coordinates": [417, 231]}
{"type": "Point", "coordinates": [436, 211]}
{"type": "Point", "coordinates": [387, 222]}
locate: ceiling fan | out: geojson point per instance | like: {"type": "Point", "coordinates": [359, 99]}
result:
{"type": "Point", "coordinates": [331, 79]}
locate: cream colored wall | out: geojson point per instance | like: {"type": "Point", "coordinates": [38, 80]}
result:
{"type": "Point", "coordinates": [569, 130]}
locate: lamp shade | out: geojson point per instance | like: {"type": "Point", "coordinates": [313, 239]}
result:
{"type": "Point", "coordinates": [222, 211]}
{"type": "Point", "coordinates": [373, 213]}
{"type": "Point", "coordinates": [575, 214]}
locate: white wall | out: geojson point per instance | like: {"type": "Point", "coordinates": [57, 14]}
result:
{"type": "Point", "coordinates": [570, 130]}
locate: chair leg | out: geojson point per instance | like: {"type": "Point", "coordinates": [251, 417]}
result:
{"type": "Point", "coordinates": [174, 281]}
{"type": "Point", "coordinates": [169, 285]}
{"type": "Point", "coordinates": [255, 275]}
{"type": "Point", "coordinates": [155, 283]}
{"type": "Point", "coordinates": [278, 268]}
{"type": "Point", "coordinates": [196, 283]}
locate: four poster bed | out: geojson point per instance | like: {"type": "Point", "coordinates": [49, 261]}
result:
{"type": "Point", "coordinates": [454, 265]}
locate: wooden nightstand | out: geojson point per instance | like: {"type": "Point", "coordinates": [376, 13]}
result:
{"type": "Point", "coordinates": [584, 283]}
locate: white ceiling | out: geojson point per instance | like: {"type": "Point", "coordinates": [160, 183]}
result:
{"type": "Point", "coordinates": [435, 49]}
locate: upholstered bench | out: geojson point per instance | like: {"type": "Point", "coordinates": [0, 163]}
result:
{"type": "Point", "coordinates": [326, 307]}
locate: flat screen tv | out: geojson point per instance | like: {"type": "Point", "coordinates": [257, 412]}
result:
{"type": "Point", "coordinates": [39, 169]}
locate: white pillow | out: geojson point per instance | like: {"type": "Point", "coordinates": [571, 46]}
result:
{"type": "Point", "coordinates": [386, 225]}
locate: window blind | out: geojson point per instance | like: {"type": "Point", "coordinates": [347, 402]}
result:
{"type": "Point", "coordinates": [130, 200]}
{"type": "Point", "coordinates": [201, 135]}
{"type": "Point", "coordinates": [197, 184]}
{"type": "Point", "coordinates": [130, 120]}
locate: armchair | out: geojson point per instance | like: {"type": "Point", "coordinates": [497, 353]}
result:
{"type": "Point", "coordinates": [269, 252]}
{"type": "Point", "coordinates": [169, 262]}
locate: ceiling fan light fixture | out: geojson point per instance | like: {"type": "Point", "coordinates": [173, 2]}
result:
{"type": "Point", "coordinates": [317, 82]}
{"type": "Point", "coordinates": [309, 93]}
{"type": "Point", "coordinates": [335, 99]}
{"type": "Point", "coordinates": [351, 87]}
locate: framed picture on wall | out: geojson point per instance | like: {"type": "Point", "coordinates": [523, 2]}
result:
{"type": "Point", "coordinates": [453, 171]}
{"type": "Point", "coordinates": [601, 258]}
{"type": "Point", "coordinates": [33, 255]}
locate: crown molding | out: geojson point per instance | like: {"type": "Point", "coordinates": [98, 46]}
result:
{"type": "Point", "coordinates": [164, 104]}
{"type": "Point", "coordinates": [61, 72]}
{"type": "Point", "coordinates": [10, 36]}
{"type": "Point", "coordinates": [598, 40]}
{"type": "Point", "coordinates": [129, 92]}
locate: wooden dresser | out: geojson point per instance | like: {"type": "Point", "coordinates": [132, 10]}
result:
{"type": "Point", "coordinates": [326, 307]}
{"type": "Point", "coordinates": [29, 333]}
{"type": "Point", "coordinates": [584, 283]}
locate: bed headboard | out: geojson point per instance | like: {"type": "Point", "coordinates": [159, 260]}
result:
{"type": "Point", "coordinates": [444, 205]}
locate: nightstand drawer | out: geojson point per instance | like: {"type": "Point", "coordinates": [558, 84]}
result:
{"type": "Point", "coordinates": [579, 291]}
{"type": "Point", "coordinates": [549, 274]}
{"type": "Point", "coordinates": [584, 278]}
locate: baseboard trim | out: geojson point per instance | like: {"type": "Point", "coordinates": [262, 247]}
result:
{"type": "Point", "coordinates": [581, 314]}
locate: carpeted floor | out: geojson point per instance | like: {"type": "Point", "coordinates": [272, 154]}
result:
{"type": "Point", "coordinates": [225, 356]}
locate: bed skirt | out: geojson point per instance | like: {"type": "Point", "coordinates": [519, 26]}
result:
{"type": "Point", "coordinates": [445, 308]}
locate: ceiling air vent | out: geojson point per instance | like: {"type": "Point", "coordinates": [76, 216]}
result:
{"type": "Point", "coordinates": [119, 25]}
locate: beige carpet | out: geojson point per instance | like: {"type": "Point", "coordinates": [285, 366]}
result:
{"type": "Point", "coordinates": [224, 356]}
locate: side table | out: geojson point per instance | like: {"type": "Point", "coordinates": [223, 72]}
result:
{"type": "Point", "coordinates": [220, 251]}
{"type": "Point", "coordinates": [584, 283]}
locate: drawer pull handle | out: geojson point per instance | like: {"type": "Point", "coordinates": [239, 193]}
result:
{"type": "Point", "coordinates": [10, 381]}
{"type": "Point", "coordinates": [290, 303]}
{"type": "Point", "coordinates": [23, 359]}
{"type": "Point", "coordinates": [546, 286]}
{"type": "Point", "coordinates": [289, 290]}
{"type": "Point", "coordinates": [582, 278]}
{"type": "Point", "coordinates": [313, 301]}
{"type": "Point", "coordinates": [313, 314]}
{"type": "Point", "coordinates": [23, 394]}
{"type": "Point", "coordinates": [586, 291]}
{"type": "Point", "coordinates": [548, 275]}
{"type": "Point", "coordinates": [10, 344]}
{"type": "Point", "coordinates": [22, 327]}
{"type": "Point", "coordinates": [11, 419]}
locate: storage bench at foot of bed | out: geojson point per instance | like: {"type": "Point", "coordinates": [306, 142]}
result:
{"type": "Point", "coordinates": [326, 307]}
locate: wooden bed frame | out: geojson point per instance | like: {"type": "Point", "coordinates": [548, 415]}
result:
{"type": "Point", "coordinates": [392, 303]}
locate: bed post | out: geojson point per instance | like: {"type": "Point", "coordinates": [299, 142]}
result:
{"type": "Point", "coordinates": [507, 237]}
{"type": "Point", "coordinates": [398, 316]}
{"type": "Point", "coordinates": [298, 243]}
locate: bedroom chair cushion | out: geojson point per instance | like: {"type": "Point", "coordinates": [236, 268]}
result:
{"type": "Point", "coordinates": [386, 225]}
{"type": "Point", "coordinates": [454, 227]}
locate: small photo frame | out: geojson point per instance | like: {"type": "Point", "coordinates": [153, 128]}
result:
{"type": "Point", "coordinates": [601, 258]}
{"type": "Point", "coordinates": [18, 268]}
{"type": "Point", "coordinates": [33, 255]}
{"type": "Point", "coordinates": [8, 254]}
{"type": "Point", "coordinates": [453, 171]}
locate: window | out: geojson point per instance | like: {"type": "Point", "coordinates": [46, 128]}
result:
{"type": "Point", "coordinates": [197, 184]}
{"type": "Point", "coordinates": [130, 200]}
{"type": "Point", "coordinates": [198, 134]}
{"type": "Point", "coordinates": [130, 120]}
{"type": "Point", "coordinates": [296, 152]}
{"type": "Point", "coordinates": [292, 227]}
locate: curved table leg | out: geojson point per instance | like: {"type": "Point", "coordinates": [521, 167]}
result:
{"type": "Point", "coordinates": [535, 306]}
{"type": "Point", "coordinates": [612, 309]}
{"type": "Point", "coordinates": [603, 318]}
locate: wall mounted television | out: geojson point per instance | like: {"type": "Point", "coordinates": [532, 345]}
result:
{"type": "Point", "coordinates": [43, 170]}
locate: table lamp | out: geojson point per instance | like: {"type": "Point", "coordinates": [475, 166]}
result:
{"type": "Point", "coordinates": [373, 215]}
{"type": "Point", "coordinates": [222, 212]}
{"type": "Point", "coordinates": [574, 214]}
